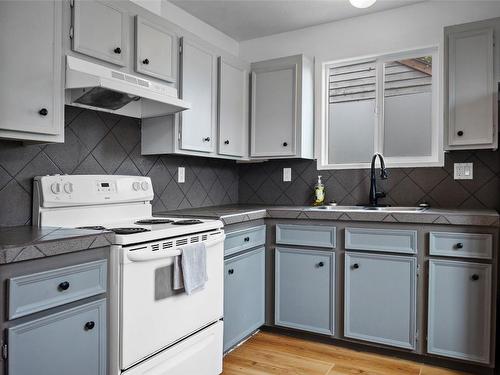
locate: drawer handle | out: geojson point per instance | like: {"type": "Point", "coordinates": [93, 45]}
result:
{"type": "Point", "coordinates": [475, 277]}
{"type": "Point", "coordinates": [117, 50]}
{"type": "Point", "coordinates": [285, 144]}
{"type": "Point", "coordinates": [355, 266]}
{"type": "Point", "coordinates": [64, 285]}
{"type": "Point", "coordinates": [89, 325]}
{"type": "Point", "coordinates": [230, 271]}
{"type": "Point", "coordinates": [459, 245]}
{"type": "Point", "coordinates": [460, 133]}
{"type": "Point", "coordinates": [206, 139]}
{"type": "Point", "coordinates": [226, 142]}
{"type": "Point", "coordinates": [43, 112]}
{"type": "Point", "coordinates": [321, 264]}
{"type": "Point", "coordinates": [246, 239]}
{"type": "Point", "coordinates": [145, 61]}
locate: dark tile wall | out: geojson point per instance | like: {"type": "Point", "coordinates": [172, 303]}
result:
{"type": "Point", "coordinates": [101, 143]}
{"type": "Point", "coordinates": [263, 183]}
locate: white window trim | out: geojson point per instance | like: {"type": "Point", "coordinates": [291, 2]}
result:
{"type": "Point", "coordinates": [437, 155]}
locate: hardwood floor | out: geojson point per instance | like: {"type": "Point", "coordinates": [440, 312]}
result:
{"type": "Point", "coordinates": [269, 353]}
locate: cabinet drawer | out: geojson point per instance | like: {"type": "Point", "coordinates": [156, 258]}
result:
{"type": "Point", "coordinates": [305, 235]}
{"type": "Point", "coordinates": [244, 239]}
{"type": "Point", "coordinates": [40, 291]}
{"type": "Point", "coordinates": [387, 240]}
{"type": "Point", "coordinates": [466, 245]}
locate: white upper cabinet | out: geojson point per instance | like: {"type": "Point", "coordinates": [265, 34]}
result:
{"type": "Point", "coordinates": [100, 31]}
{"type": "Point", "coordinates": [282, 108]}
{"type": "Point", "coordinates": [198, 85]}
{"type": "Point", "coordinates": [154, 50]}
{"type": "Point", "coordinates": [31, 94]}
{"type": "Point", "coordinates": [233, 108]}
{"type": "Point", "coordinates": [471, 116]}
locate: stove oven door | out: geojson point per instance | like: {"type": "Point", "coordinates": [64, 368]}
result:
{"type": "Point", "coordinates": [153, 316]}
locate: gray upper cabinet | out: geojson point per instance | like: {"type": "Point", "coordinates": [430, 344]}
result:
{"type": "Point", "coordinates": [282, 108]}
{"type": "Point", "coordinates": [69, 342]}
{"type": "Point", "coordinates": [471, 116]}
{"type": "Point", "coordinates": [100, 30]}
{"type": "Point", "coordinates": [154, 50]}
{"type": "Point", "coordinates": [233, 108]}
{"type": "Point", "coordinates": [31, 95]}
{"type": "Point", "coordinates": [305, 289]}
{"type": "Point", "coordinates": [198, 85]}
{"type": "Point", "coordinates": [380, 299]}
{"type": "Point", "coordinates": [459, 321]}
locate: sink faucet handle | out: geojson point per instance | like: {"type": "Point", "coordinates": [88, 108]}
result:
{"type": "Point", "coordinates": [380, 194]}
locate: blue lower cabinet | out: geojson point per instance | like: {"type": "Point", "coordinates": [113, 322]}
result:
{"type": "Point", "coordinates": [304, 289]}
{"type": "Point", "coordinates": [69, 342]}
{"type": "Point", "coordinates": [244, 295]}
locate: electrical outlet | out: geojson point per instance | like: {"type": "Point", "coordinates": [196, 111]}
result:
{"type": "Point", "coordinates": [463, 171]}
{"type": "Point", "coordinates": [287, 174]}
{"type": "Point", "coordinates": [181, 175]}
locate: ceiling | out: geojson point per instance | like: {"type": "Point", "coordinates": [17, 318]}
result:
{"type": "Point", "coordinates": [249, 19]}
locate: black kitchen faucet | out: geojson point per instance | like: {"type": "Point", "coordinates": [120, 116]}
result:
{"type": "Point", "coordinates": [374, 194]}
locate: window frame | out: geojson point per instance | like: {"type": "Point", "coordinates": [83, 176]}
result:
{"type": "Point", "coordinates": [436, 159]}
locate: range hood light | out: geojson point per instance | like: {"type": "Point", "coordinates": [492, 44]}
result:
{"type": "Point", "coordinates": [362, 3]}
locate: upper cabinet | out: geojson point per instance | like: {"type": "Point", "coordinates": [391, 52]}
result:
{"type": "Point", "coordinates": [471, 120]}
{"type": "Point", "coordinates": [154, 50]}
{"type": "Point", "coordinates": [31, 95]}
{"type": "Point", "coordinates": [282, 108]}
{"type": "Point", "coordinates": [99, 29]}
{"type": "Point", "coordinates": [232, 108]}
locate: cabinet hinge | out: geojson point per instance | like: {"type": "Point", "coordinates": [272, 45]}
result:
{"type": "Point", "coordinates": [72, 3]}
{"type": "Point", "coordinates": [418, 270]}
{"type": "Point", "coordinates": [180, 46]}
{"type": "Point", "coordinates": [4, 351]}
{"type": "Point", "coordinates": [417, 335]}
{"type": "Point", "coordinates": [71, 32]}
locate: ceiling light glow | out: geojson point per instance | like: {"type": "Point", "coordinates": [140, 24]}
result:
{"type": "Point", "coordinates": [362, 3]}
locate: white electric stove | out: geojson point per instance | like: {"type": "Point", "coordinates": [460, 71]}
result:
{"type": "Point", "coordinates": [154, 329]}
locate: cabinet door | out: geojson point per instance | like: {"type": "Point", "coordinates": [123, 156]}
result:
{"type": "Point", "coordinates": [459, 310]}
{"type": "Point", "coordinates": [244, 293]}
{"type": "Point", "coordinates": [233, 109]}
{"type": "Point", "coordinates": [100, 30]}
{"type": "Point", "coordinates": [471, 88]}
{"type": "Point", "coordinates": [274, 111]}
{"type": "Point", "coordinates": [68, 342]}
{"type": "Point", "coordinates": [380, 299]}
{"type": "Point", "coordinates": [198, 86]}
{"type": "Point", "coordinates": [31, 93]}
{"type": "Point", "coordinates": [154, 50]}
{"type": "Point", "coordinates": [304, 289]}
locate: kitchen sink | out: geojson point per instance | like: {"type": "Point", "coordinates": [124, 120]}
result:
{"type": "Point", "coordinates": [370, 208]}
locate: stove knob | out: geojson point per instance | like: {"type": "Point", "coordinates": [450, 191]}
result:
{"type": "Point", "coordinates": [136, 186]}
{"type": "Point", "coordinates": [144, 185]}
{"type": "Point", "coordinates": [55, 187]}
{"type": "Point", "coordinates": [68, 187]}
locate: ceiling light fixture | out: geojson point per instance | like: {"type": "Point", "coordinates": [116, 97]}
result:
{"type": "Point", "coordinates": [362, 3]}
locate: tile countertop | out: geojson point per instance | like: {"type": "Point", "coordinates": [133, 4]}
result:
{"type": "Point", "coordinates": [26, 242]}
{"type": "Point", "coordinates": [233, 214]}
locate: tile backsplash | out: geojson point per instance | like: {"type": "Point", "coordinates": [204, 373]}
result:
{"type": "Point", "coordinates": [102, 143]}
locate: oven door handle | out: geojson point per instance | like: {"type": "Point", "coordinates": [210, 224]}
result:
{"type": "Point", "coordinates": [145, 256]}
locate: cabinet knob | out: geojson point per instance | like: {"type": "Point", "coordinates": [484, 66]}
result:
{"type": "Point", "coordinates": [230, 271]}
{"type": "Point", "coordinates": [475, 277]}
{"type": "Point", "coordinates": [460, 133]}
{"type": "Point", "coordinates": [226, 142]}
{"type": "Point", "coordinates": [145, 61]}
{"type": "Point", "coordinates": [89, 325]}
{"type": "Point", "coordinates": [321, 264]}
{"type": "Point", "coordinates": [43, 112]}
{"type": "Point", "coordinates": [207, 139]}
{"type": "Point", "coordinates": [64, 285]}
{"type": "Point", "coordinates": [117, 50]}
{"type": "Point", "coordinates": [355, 266]}
{"type": "Point", "coordinates": [459, 245]}
{"type": "Point", "coordinates": [285, 144]}
{"type": "Point", "coordinates": [246, 239]}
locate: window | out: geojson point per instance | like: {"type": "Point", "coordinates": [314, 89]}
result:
{"type": "Point", "coordinates": [387, 104]}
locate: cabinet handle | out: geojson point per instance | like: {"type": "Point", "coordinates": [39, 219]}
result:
{"type": "Point", "coordinates": [475, 277]}
{"type": "Point", "coordinates": [64, 285]}
{"type": "Point", "coordinates": [43, 112]}
{"type": "Point", "coordinates": [207, 139]}
{"type": "Point", "coordinates": [226, 142]}
{"type": "Point", "coordinates": [460, 133]}
{"type": "Point", "coordinates": [321, 264]}
{"type": "Point", "coordinates": [117, 50]}
{"type": "Point", "coordinates": [285, 144]}
{"type": "Point", "coordinates": [145, 61]}
{"type": "Point", "coordinates": [459, 245]}
{"type": "Point", "coordinates": [246, 239]}
{"type": "Point", "coordinates": [230, 271]}
{"type": "Point", "coordinates": [355, 266]}
{"type": "Point", "coordinates": [89, 325]}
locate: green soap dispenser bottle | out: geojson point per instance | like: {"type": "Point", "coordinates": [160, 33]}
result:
{"type": "Point", "coordinates": [319, 193]}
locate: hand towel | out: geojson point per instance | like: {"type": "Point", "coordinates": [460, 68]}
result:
{"type": "Point", "coordinates": [190, 268]}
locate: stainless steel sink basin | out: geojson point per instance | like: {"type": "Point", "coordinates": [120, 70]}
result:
{"type": "Point", "coordinates": [370, 209]}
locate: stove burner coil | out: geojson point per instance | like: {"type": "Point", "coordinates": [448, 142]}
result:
{"type": "Point", "coordinates": [187, 222]}
{"type": "Point", "coordinates": [154, 221]}
{"type": "Point", "coordinates": [129, 230]}
{"type": "Point", "coordinates": [92, 227]}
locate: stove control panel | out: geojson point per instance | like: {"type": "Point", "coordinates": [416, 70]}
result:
{"type": "Point", "coordinates": [71, 190]}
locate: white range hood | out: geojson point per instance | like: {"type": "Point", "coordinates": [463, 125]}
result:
{"type": "Point", "coordinates": [95, 86]}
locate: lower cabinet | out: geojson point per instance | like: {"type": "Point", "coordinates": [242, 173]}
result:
{"type": "Point", "coordinates": [305, 289]}
{"type": "Point", "coordinates": [459, 320]}
{"type": "Point", "coordinates": [244, 295]}
{"type": "Point", "coordinates": [380, 299]}
{"type": "Point", "coordinates": [69, 342]}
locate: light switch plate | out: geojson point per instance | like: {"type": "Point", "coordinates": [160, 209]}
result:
{"type": "Point", "coordinates": [287, 174]}
{"type": "Point", "coordinates": [181, 175]}
{"type": "Point", "coordinates": [463, 171]}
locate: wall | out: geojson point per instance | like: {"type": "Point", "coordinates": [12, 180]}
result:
{"type": "Point", "coordinates": [102, 143]}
